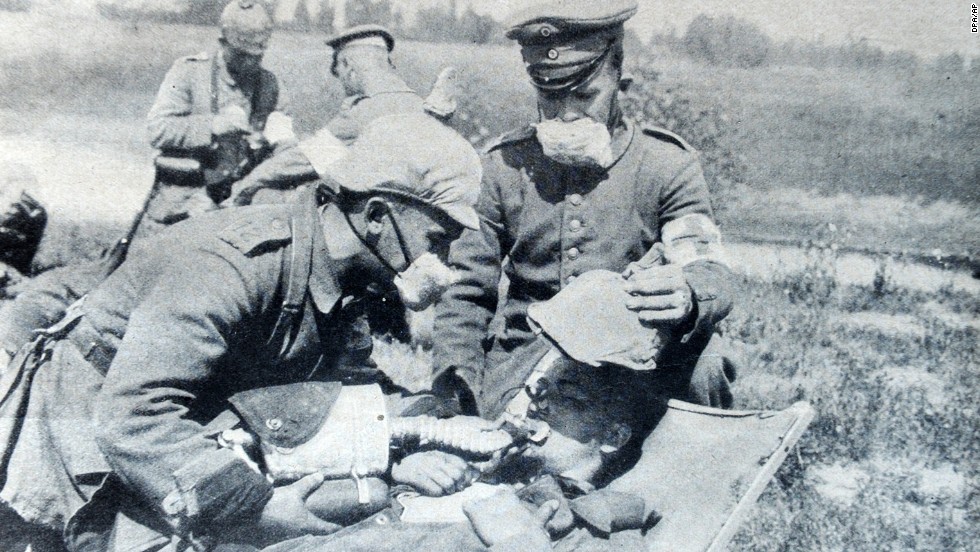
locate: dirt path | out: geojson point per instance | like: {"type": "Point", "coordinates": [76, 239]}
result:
{"type": "Point", "coordinates": [767, 262]}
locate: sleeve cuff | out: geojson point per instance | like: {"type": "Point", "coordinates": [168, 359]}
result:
{"type": "Point", "coordinates": [217, 489]}
{"type": "Point", "coordinates": [711, 284]}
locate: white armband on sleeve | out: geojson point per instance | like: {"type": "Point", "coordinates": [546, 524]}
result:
{"type": "Point", "coordinates": [693, 238]}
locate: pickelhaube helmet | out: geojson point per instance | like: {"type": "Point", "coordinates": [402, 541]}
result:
{"type": "Point", "coordinates": [246, 26]}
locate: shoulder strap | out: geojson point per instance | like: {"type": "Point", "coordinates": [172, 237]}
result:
{"type": "Point", "coordinates": [214, 84]}
{"type": "Point", "coordinates": [300, 265]}
{"type": "Point", "coordinates": [667, 136]}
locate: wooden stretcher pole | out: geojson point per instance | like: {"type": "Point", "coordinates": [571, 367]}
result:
{"type": "Point", "coordinates": [804, 415]}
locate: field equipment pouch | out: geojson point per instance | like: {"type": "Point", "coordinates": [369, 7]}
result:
{"type": "Point", "coordinates": [310, 427]}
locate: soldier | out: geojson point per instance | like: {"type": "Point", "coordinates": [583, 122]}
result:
{"type": "Point", "coordinates": [105, 418]}
{"type": "Point", "coordinates": [362, 63]}
{"type": "Point", "coordinates": [584, 189]}
{"type": "Point", "coordinates": [215, 116]}
{"type": "Point", "coordinates": [556, 487]}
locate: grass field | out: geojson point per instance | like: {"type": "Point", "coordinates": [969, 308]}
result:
{"type": "Point", "coordinates": [837, 158]}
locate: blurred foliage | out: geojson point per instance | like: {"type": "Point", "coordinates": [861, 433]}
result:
{"type": "Point", "coordinates": [441, 24]}
{"type": "Point", "coordinates": [708, 128]}
{"type": "Point", "coordinates": [362, 12]}
{"type": "Point", "coordinates": [727, 40]}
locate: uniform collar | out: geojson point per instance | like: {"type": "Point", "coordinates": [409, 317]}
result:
{"type": "Point", "coordinates": [622, 137]}
{"type": "Point", "coordinates": [389, 84]}
{"type": "Point", "coordinates": [323, 286]}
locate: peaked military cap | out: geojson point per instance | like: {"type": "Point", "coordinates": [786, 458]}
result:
{"type": "Point", "coordinates": [368, 34]}
{"type": "Point", "coordinates": [564, 42]}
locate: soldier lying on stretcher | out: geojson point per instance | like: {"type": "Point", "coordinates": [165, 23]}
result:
{"type": "Point", "coordinates": [534, 474]}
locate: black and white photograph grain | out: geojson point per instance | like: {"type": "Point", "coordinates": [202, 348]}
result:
{"type": "Point", "coordinates": [489, 276]}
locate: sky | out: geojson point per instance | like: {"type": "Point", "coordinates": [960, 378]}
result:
{"type": "Point", "coordinates": [927, 27]}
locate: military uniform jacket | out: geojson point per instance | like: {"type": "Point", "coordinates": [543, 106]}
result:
{"type": "Point", "coordinates": [221, 317]}
{"type": "Point", "coordinates": [357, 111]}
{"type": "Point", "coordinates": [552, 222]}
{"type": "Point", "coordinates": [195, 87]}
{"type": "Point", "coordinates": [291, 165]}
{"type": "Point", "coordinates": [210, 308]}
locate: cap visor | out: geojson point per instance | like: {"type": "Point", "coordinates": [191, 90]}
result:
{"type": "Point", "coordinates": [463, 214]}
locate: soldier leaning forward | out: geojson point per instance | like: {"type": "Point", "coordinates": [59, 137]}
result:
{"type": "Point", "coordinates": [105, 420]}
{"type": "Point", "coordinates": [585, 189]}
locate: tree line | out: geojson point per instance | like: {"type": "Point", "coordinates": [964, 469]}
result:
{"type": "Point", "coordinates": [731, 41]}
{"type": "Point", "coordinates": [438, 23]}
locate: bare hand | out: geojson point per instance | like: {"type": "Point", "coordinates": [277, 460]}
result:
{"type": "Point", "coordinates": [231, 121]}
{"type": "Point", "coordinates": [502, 516]}
{"type": "Point", "coordinates": [287, 516]}
{"type": "Point", "coordinates": [659, 295]}
{"type": "Point", "coordinates": [433, 473]}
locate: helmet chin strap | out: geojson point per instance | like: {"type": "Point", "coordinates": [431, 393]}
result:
{"type": "Point", "coordinates": [374, 250]}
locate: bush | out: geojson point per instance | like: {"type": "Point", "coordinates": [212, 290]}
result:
{"type": "Point", "coordinates": [706, 127]}
{"type": "Point", "coordinates": [727, 40]}
{"type": "Point", "coordinates": [361, 12]}
{"type": "Point", "coordinates": [438, 24]}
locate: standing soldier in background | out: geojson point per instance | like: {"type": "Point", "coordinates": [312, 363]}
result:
{"type": "Point", "coordinates": [215, 116]}
{"type": "Point", "coordinates": [585, 189]}
{"type": "Point", "coordinates": [362, 63]}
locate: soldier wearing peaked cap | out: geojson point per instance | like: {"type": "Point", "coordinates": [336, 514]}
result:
{"type": "Point", "coordinates": [361, 61]}
{"type": "Point", "coordinates": [585, 188]}
{"type": "Point", "coordinates": [107, 421]}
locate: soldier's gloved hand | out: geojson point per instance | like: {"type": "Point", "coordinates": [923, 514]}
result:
{"type": "Point", "coordinates": [502, 517]}
{"type": "Point", "coordinates": [287, 516]}
{"type": "Point", "coordinates": [230, 121]}
{"type": "Point", "coordinates": [433, 473]}
{"type": "Point", "coordinates": [660, 295]}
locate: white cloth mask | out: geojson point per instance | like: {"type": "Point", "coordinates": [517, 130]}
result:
{"type": "Point", "coordinates": [580, 143]}
{"type": "Point", "coordinates": [424, 281]}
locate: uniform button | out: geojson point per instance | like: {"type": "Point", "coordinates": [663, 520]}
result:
{"type": "Point", "coordinates": [273, 423]}
{"type": "Point", "coordinates": [552, 54]}
{"type": "Point", "coordinates": [573, 253]}
{"type": "Point", "coordinates": [575, 225]}
{"type": "Point", "coordinates": [575, 199]}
